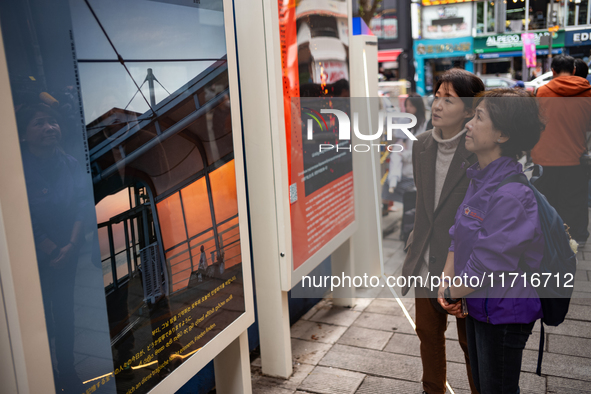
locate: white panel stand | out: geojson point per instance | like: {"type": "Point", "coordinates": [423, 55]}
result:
{"type": "Point", "coordinates": [366, 165]}
{"type": "Point", "coordinates": [262, 108]}
{"type": "Point", "coordinates": [232, 368]}
{"type": "Point", "coordinates": [342, 266]}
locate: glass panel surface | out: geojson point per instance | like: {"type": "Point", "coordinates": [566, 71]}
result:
{"type": "Point", "coordinates": [117, 185]}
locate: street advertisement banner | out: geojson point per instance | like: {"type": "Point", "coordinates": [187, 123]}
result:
{"type": "Point", "coordinates": [314, 57]}
{"type": "Point", "coordinates": [124, 117]}
{"type": "Point", "coordinates": [529, 49]}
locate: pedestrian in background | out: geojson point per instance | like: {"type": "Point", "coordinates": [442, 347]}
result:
{"type": "Point", "coordinates": [440, 161]}
{"type": "Point", "coordinates": [497, 231]}
{"type": "Point", "coordinates": [400, 175]}
{"type": "Point", "coordinates": [581, 69]}
{"type": "Point", "coordinates": [564, 181]}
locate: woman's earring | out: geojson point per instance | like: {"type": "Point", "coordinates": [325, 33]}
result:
{"type": "Point", "coordinates": [499, 141]}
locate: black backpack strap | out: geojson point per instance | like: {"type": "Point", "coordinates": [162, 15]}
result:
{"type": "Point", "coordinates": [515, 178]}
{"type": "Point", "coordinates": [521, 178]}
{"type": "Point", "coordinates": [541, 350]}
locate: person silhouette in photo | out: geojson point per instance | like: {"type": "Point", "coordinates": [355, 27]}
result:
{"type": "Point", "coordinates": [202, 269]}
{"type": "Point", "coordinates": [57, 203]}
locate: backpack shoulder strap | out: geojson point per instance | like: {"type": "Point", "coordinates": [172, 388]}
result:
{"type": "Point", "coordinates": [514, 178]}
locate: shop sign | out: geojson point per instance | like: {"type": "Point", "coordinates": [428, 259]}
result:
{"type": "Point", "coordinates": [386, 28]}
{"type": "Point", "coordinates": [507, 42]}
{"type": "Point", "coordinates": [576, 38]}
{"type": "Point", "coordinates": [423, 49]}
{"type": "Point", "coordinates": [447, 21]}
{"type": "Point", "coordinates": [438, 2]}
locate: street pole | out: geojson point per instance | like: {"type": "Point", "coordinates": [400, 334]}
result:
{"type": "Point", "coordinates": [550, 52]}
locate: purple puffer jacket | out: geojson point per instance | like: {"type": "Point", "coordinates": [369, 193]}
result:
{"type": "Point", "coordinates": [492, 231]}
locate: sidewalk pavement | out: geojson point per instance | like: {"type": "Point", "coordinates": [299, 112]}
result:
{"type": "Point", "coordinates": [372, 347]}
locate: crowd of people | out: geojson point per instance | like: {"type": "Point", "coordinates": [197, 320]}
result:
{"type": "Point", "coordinates": [468, 223]}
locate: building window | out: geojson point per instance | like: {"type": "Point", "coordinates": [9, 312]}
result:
{"type": "Point", "coordinates": [546, 13]}
{"type": "Point", "coordinates": [515, 15]}
{"type": "Point", "coordinates": [490, 17]}
{"type": "Point", "coordinates": [578, 12]}
{"type": "Point", "coordinates": [485, 17]}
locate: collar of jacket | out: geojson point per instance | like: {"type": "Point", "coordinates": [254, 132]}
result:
{"type": "Point", "coordinates": [499, 168]}
{"type": "Point", "coordinates": [457, 169]}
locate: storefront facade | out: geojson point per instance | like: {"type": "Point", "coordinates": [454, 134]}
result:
{"type": "Point", "coordinates": [434, 57]}
{"type": "Point", "coordinates": [502, 53]}
{"type": "Point", "coordinates": [578, 43]}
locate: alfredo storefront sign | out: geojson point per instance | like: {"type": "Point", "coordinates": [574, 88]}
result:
{"type": "Point", "coordinates": [512, 42]}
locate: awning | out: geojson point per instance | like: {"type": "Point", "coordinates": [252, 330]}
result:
{"type": "Point", "coordinates": [388, 55]}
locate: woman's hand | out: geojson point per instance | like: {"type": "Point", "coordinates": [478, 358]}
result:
{"type": "Point", "coordinates": [64, 254]}
{"type": "Point", "coordinates": [452, 309]}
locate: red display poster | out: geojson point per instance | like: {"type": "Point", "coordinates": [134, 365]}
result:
{"type": "Point", "coordinates": [314, 58]}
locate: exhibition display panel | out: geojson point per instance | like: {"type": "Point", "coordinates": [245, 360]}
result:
{"type": "Point", "coordinates": [314, 40]}
{"type": "Point", "coordinates": [128, 117]}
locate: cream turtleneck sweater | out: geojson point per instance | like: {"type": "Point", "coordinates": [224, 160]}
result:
{"type": "Point", "coordinates": [445, 153]}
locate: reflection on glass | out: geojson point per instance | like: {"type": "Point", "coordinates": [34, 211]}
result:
{"type": "Point", "coordinates": [143, 274]}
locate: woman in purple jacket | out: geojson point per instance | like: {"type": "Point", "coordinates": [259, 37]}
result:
{"type": "Point", "coordinates": [493, 231]}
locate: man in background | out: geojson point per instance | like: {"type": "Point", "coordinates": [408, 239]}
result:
{"type": "Point", "coordinates": [566, 105]}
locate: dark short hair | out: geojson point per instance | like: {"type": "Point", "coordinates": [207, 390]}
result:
{"type": "Point", "coordinates": [25, 114]}
{"type": "Point", "coordinates": [563, 64]}
{"type": "Point", "coordinates": [417, 101]}
{"type": "Point", "coordinates": [466, 84]}
{"type": "Point", "coordinates": [581, 68]}
{"type": "Point", "coordinates": [516, 114]}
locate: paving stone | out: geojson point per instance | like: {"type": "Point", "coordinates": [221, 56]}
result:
{"type": "Point", "coordinates": [300, 372]}
{"type": "Point", "coordinates": [573, 328]}
{"type": "Point", "coordinates": [307, 352]}
{"type": "Point", "coordinates": [559, 365]}
{"type": "Point", "coordinates": [580, 298]}
{"type": "Point", "coordinates": [325, 380]}
{"type": "Point", "coordinates": [385, 306]}
{"type": "Point", "coordinates": [364, 337]}
{"type": "Point", "coordinates": [532, 383]}
{"type": "Point", "coordinates": [582, 286]}
{"type": "Point", "coordinates": [454, 352]}
{"type": "Point", "coordinates": [336, 315]}
{"type": "Point", "coordinates": [457, 376]}
{"type": "Point", "coordinates": [571, 346]}
{"type": "Point", "coordinates": [408, 344]}
{"type": "Point", "coordinates": [452, 328]}
{"type": "Point", "coordinates": [389, 323]}
{"type": "Point", "coordinates": [361, 304]}
{"type": "Point", "coordinates": [324, 304]}
{"type": "Point", "coordinates": [571, 386]}
{"type": "Point", "coordinates": [579, 312]}
{"type": "Point", "coordinates": [256, 389]}
{"type": "Point", "coordinates": [373, 362]}
{"type": "Point", "coordinates": [584, 264]}
{"type": "Point", "coordinates": [581, 275]}
{"type": "Point", "coordinates": [367, 292]}
{"type": "Point", "coordinates": [313, 331]}
{"type": "Point", "coordinates": [374, 384]}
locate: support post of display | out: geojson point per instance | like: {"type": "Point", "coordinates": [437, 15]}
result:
{"type": "Point", "coordinates": [232, 368]}
{"type": "Point", "coordinates": [367, 243]}
{"type": "Point", "coordinates": [262, 110]}
{"type": "Point", "coordinates": [342, 266]}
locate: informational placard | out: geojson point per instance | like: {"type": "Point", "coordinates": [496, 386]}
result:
{"type": "Point", "coordinates": [314, 54]}
{"type": "Point", "coordinates": [128, 148]}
